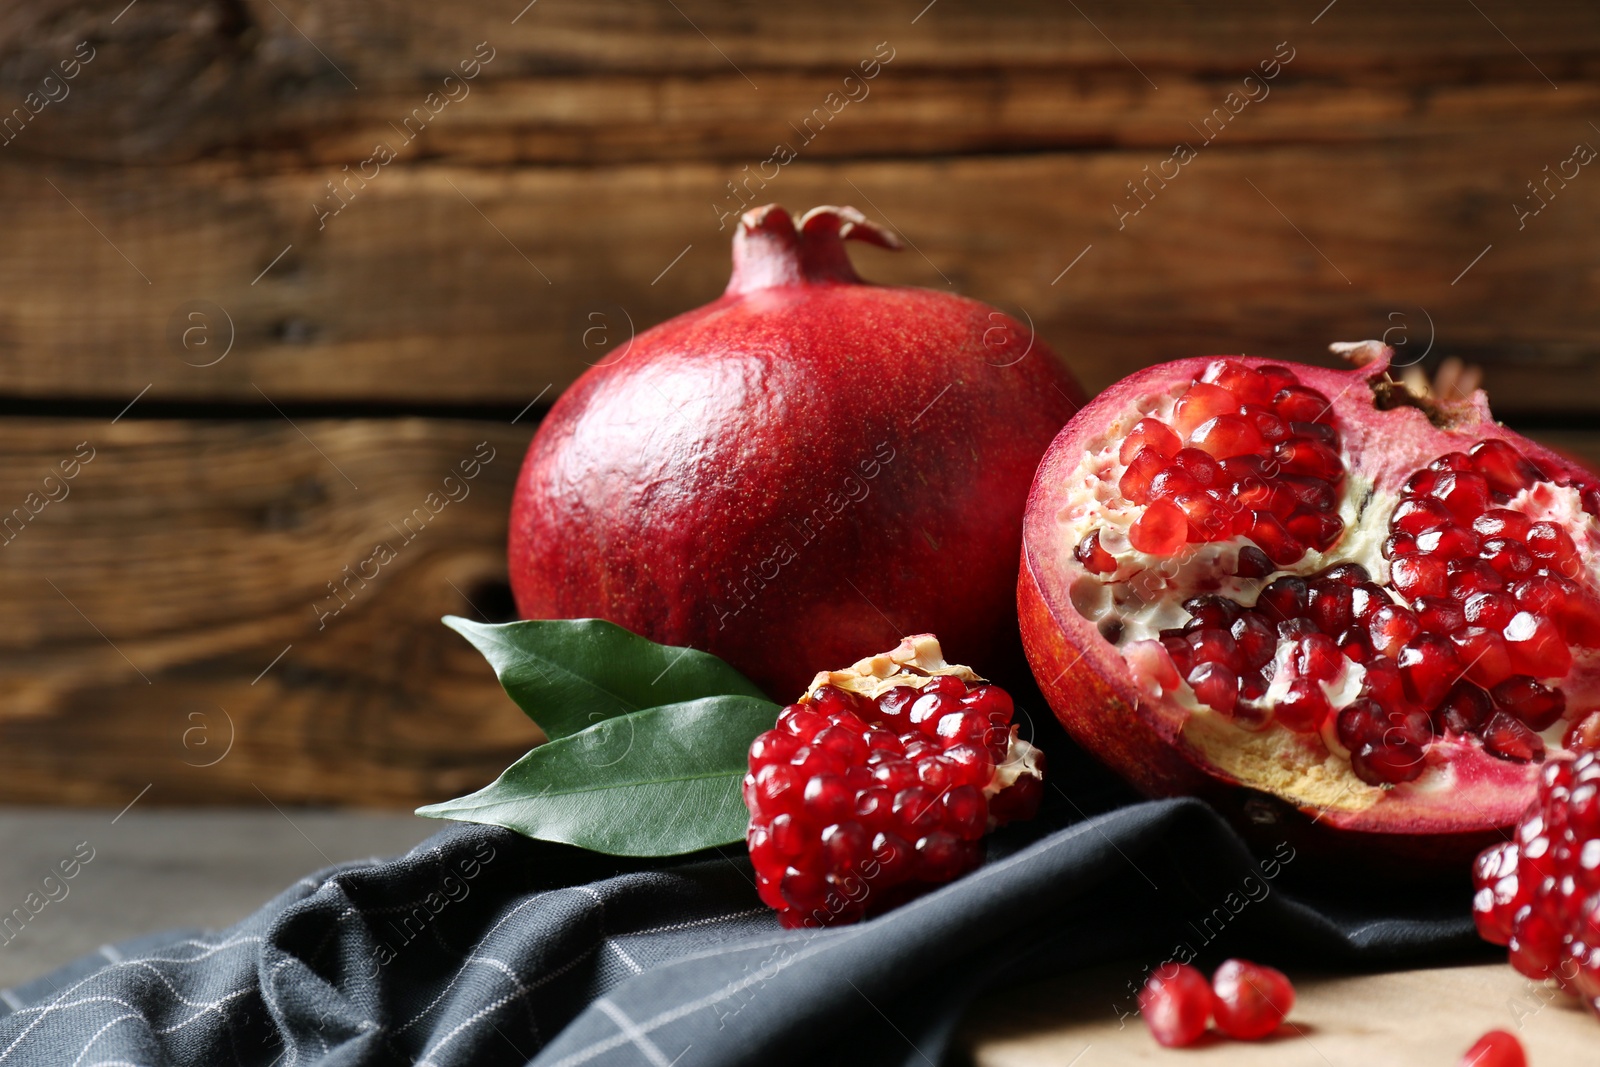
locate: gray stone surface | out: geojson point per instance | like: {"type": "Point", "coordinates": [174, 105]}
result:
{"type": "Point", "coordinates": [156, 868]}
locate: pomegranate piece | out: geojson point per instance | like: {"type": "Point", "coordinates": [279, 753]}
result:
{"type": "Point", "coordinates": [1497, 1048]}
{"type": "Point", "coordinates": [1176, 1006]}
{"type": "Point", "coordinates": [1250, 1001]}
{"type": "Point", "coordinates": [1154, 433]}
{"type": "Point", "coordinates": [744, 475]}
{"type": "Point", "coordinates": [880, 783]}
{"type": "Point", "coordinates": [1437, 669]}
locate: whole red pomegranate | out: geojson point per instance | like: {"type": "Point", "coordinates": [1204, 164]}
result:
{"type": "Point", "coordinates": [808, 466]}
{"type": "Point", "coordinates": [1315, 585]}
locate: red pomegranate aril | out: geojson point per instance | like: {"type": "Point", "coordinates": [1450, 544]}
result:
{"type": "Point", "coordinates": [1497, 1048]}
{"type": "Point", "coordinates": [1267, 422]}
{"type": "Point", "coordinates": [1202, 468]}
{"type": "Point", "coordinates": [1248, 385]}
{"type": "Point", "coordinates": [1390, 627]}
{"type": "Point", "coordinates": [1092, 556]}
{"type": "Point", "coordinates": [1584, 735]}
{"type": "Point", "coordinates": [1535, 705]}
{"type": "Point", "coordinates": [1428, 668]}
{"type": "Point", "coordinates": [1200, 403]}
{"type": "Point", "coordinates": [1418, 575]}
{"type": "Point", "coordinates": [1249, 1001]}
{"type": "Point", "coordinates": [1420, 514]}
{"type": "Point", "coordinates": [1170, 481]}
{"type": "Point", "coordinates": [1386, 763]}
{"type": "Point", "coordinates": [1209, 518]}
{"type": "Point", "coordinates": [1366, 598]}
{"type": "Point", "coordinates": [1134, 485]}
{"type": "Point", "coordinates": [1501, 522]}
{"type": "Point", "coordinates": [1320, 530]}
{"type": "Point", "coordinates": [1400, 544]}
{"type": "Point", "coordinates": [1284, 598]}
{"type": "Point", "coordinates": [1420, 484]}
{"type": "Point", "coordinates": [1465, 493]}
{"type": "Point", "coordinates": [1452, 461]}
{"type": "Point", "coordinates": [1468, 577]}
{"type": "Point", "coordinates": [1303, 707]}
{"type": "Point", "coordinates": [1268, 499]}
{"type": "Point", "coordinates": [1215, 686]}
{"type": "Point", "coordinates": [1355, 644]}
{"type": "Point", "coordinates": [1490, 610]}
{"type": "Point", "coordinates": [1553, 546]}
{"type": "Point", "coordinates": [1175, 1006]}
{"type": "Point", "coordinates": [1225, 436]}
{"type": "Point", "coordinates": [1330, 605]}
{"type": "Point", "coordinates": [1312, 493]}
{"type": "Point", "coordinates": [1297, 403]}
{"type": "Point", "coordinates": [1316, 431]}
{"type": "Point", "coordinates": [1151, 433]}
{"type": "Point", "coordinates": [1253, 563]}
{"type": "Point", "coordinates": [1483, 655]}
{"type": "Point", "coordinates": [1507, 738]}
{"type": "Point", "coordinates": [1465, 709]}
{"type": "Point", "coordinates": [1507, 557]}
{"type": "Point", "coordinates": [894, 705]}
{"type": "Point", "coordinates": [1211, 611]}
{"type": "Point", "coordinates": [1503, 467]}
{"type": "Point", "coordinates": [1314, 459]}
{"type": "Point", "coordinates": [1317, 656]}
{"type": "Point", "coordinates": [1272, 538]}
{"type": "Point", "coordinates": [1450, 542]}
{"type": "Point", "coordinates": [1162, 530]}
{"type": "Point", "coordinates": [1536, 646]}
{"type": "Point", "coordinates": [1439, 615]}
{"type": "Point", "coordinates": [1542, 594]}
{"type": "Point", "coordinates": [1254, 640]}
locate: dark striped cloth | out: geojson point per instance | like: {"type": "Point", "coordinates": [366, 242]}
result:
{"type": "Point", "coordinates": [480, 947]}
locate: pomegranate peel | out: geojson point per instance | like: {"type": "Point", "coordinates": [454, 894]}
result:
{"type": "Point", "coordinates": [756, 473]}
{"type": "Point", "coordinates": [880, 782]}
{"type": "Point", "coordinates": [1310, 637]}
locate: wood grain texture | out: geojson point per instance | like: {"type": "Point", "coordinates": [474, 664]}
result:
{"type": "Point", "coordinates": [150, 600]}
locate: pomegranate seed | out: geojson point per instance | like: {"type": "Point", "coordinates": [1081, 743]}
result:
{"type": "Point", "coordinates": [1272, 538]}
{"type": "Point", "coordinates": [1134, 485]}
{"type": "Point", "coordinates": [1295, 629]}
{"type": "Point", "coordinates": [1330, 605]}
{"type": "Point", "coordinates": [1266, 498]}
{"type": "Point", "coordinates": [1313, 494]}
{"type": "Point", "coordinates": [1202, 468]}
{"type": "Point", "coordinates": [1201, 402]}
{"type": "Point", "coordinates": [1250, 386]}
{"type": "Point", "coordinates": [1161, 531]}
{"type": "Point", "coordinates": [1249, 1000]}
{"type": "Point", "coordinates": [1296, 403]}
{"type": "Point", "coordinates": [1211, 611]}
{"type": "Point", "coordinates": [1351, 574]}
{"type": "Point", "coordinates": [1254, 641]}
{"type": "Point", "coordinates": [1428, 667]}
{"type": "Point", "coordinates": [1497, 1048]}
{"type": "Point", "coordinates": [1092, 556]}
{"type": "Point", "coordinates": [1387, 764]}
{"type": "Point", "coordinates": [1483, 655]}
{"type": "Point", "coordinates": [1304, 707]}
{"type": "Point", "coordinates": [1465, 493]}
{"type": "Point", "coordinates": [1451, 542]}
{"type": "Point", "coordinates": [1420, 484]}
{"type": "Point", "coordinates": [1318, 657]}
{"type": "Point", "coordinates": [1170, 481]}
{"type": "Point", "coordinates": [1366, 598]}
{"type": "Point", "coordinates": [1390, 627]}
{"type": "Point", "coordinates": [1225, 436]}
{"type": "Point", "coordinates": [1176, 1007]}
{"type": "Point", "coordinates": [1503, 467]}
{"type": "Point", "coordinates": [1507, 738]}
{"type": "Point", "coordinates": [1452, 461]}
{"type": "Point", "coordinates": [1400, 544]}
{"type": "Point", "coordinates": [1507, 557]}
{"type": "Point", "coordinates": [1355, 644]}
{"type": "Point", "coordinates": [1209, 519]}
{"type": "Point", "coordinates": [1151, 433]}
{"type": "Point", "coordinates": [1584, 735]}
{"type": "Point", "coordinates": [1279, 378]}
{"type": "Point", "coordinates": [1499, 522]}
{"type": "Point", "coordinates": [1535, 705]}
{"type": "Point", "coordinates": [1285, 598]}
{"type": "Point", "coordinates": [1267, 422]}
{"type": "Point", "coordinates": [1318, 529]}
{"type": "Point", "coordinates": [1215, 686]}
{"type": "Point", "coordinates": [1317, 432]}
{"type": "Point", "coordinates": [1465, 709]}
{"type": "Point", "coordinates": [1420, 514]}
{"type": "Point", "coordinates": [1492, 610]}
{"type": "Point", "coordinates": [1469, 577]}
{"type": "Point", "coordinates": [1553, 546]}
{"type": "Point", "coordinates": [1299, 455]}
{"type": "Point", "coordinates": [1439, 615]}
{"type": "Point", "coordinates": [1418, 576]}
{"type": "Point", "coordinates": [1536, 646]}
{"type": "Point", "coordinates": [1253, 563]}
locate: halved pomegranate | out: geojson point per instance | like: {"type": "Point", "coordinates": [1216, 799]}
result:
{"type": "Point", "coordinates": [1312, 583]}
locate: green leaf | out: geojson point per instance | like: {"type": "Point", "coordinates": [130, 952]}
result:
{"type": "Point", "coordinates": [569, 674]}
{"type": "Point", "coordinates": [658, 782]}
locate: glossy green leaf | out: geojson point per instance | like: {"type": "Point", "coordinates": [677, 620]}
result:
{"type": "Point", "coordinates": [658, 782]}
{"type": "Point", "coordinates": [569, 674]}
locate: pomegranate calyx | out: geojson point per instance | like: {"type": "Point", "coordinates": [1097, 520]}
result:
{"type": "Point", "coordinates": [770, 250]}
{"type": "Point", "coordinates": [916, 662]}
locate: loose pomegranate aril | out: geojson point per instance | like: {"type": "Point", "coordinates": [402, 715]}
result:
{"type": "Point", "coordinates": [1497, 1048]}
{"type": "Point", "coordinates": [1092, 556]}
{"type": "Point", "coordinates": [1175, 1006]}
{"type": "Point", "coordinates": [1250, 1001]}
{"type": "Point", "coordinates": [857, 803]}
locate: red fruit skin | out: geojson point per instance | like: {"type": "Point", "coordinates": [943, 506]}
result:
{"type": "Point", "coordinates": [760, 476]}
{"type": "Point", "coordinates": [1089, 686]}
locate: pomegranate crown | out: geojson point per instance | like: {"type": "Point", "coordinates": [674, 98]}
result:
{"type": "Point", "coordinates": [769, 249]}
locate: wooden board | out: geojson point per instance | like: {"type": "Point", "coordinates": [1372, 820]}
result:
{"type": "Point", "coordinates": [176, 594]}
{"type": "Point", "coordinates": [1402, 1019]}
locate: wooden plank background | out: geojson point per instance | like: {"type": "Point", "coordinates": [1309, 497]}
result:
{"type": "Point", "coordinates": [339, 368]}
